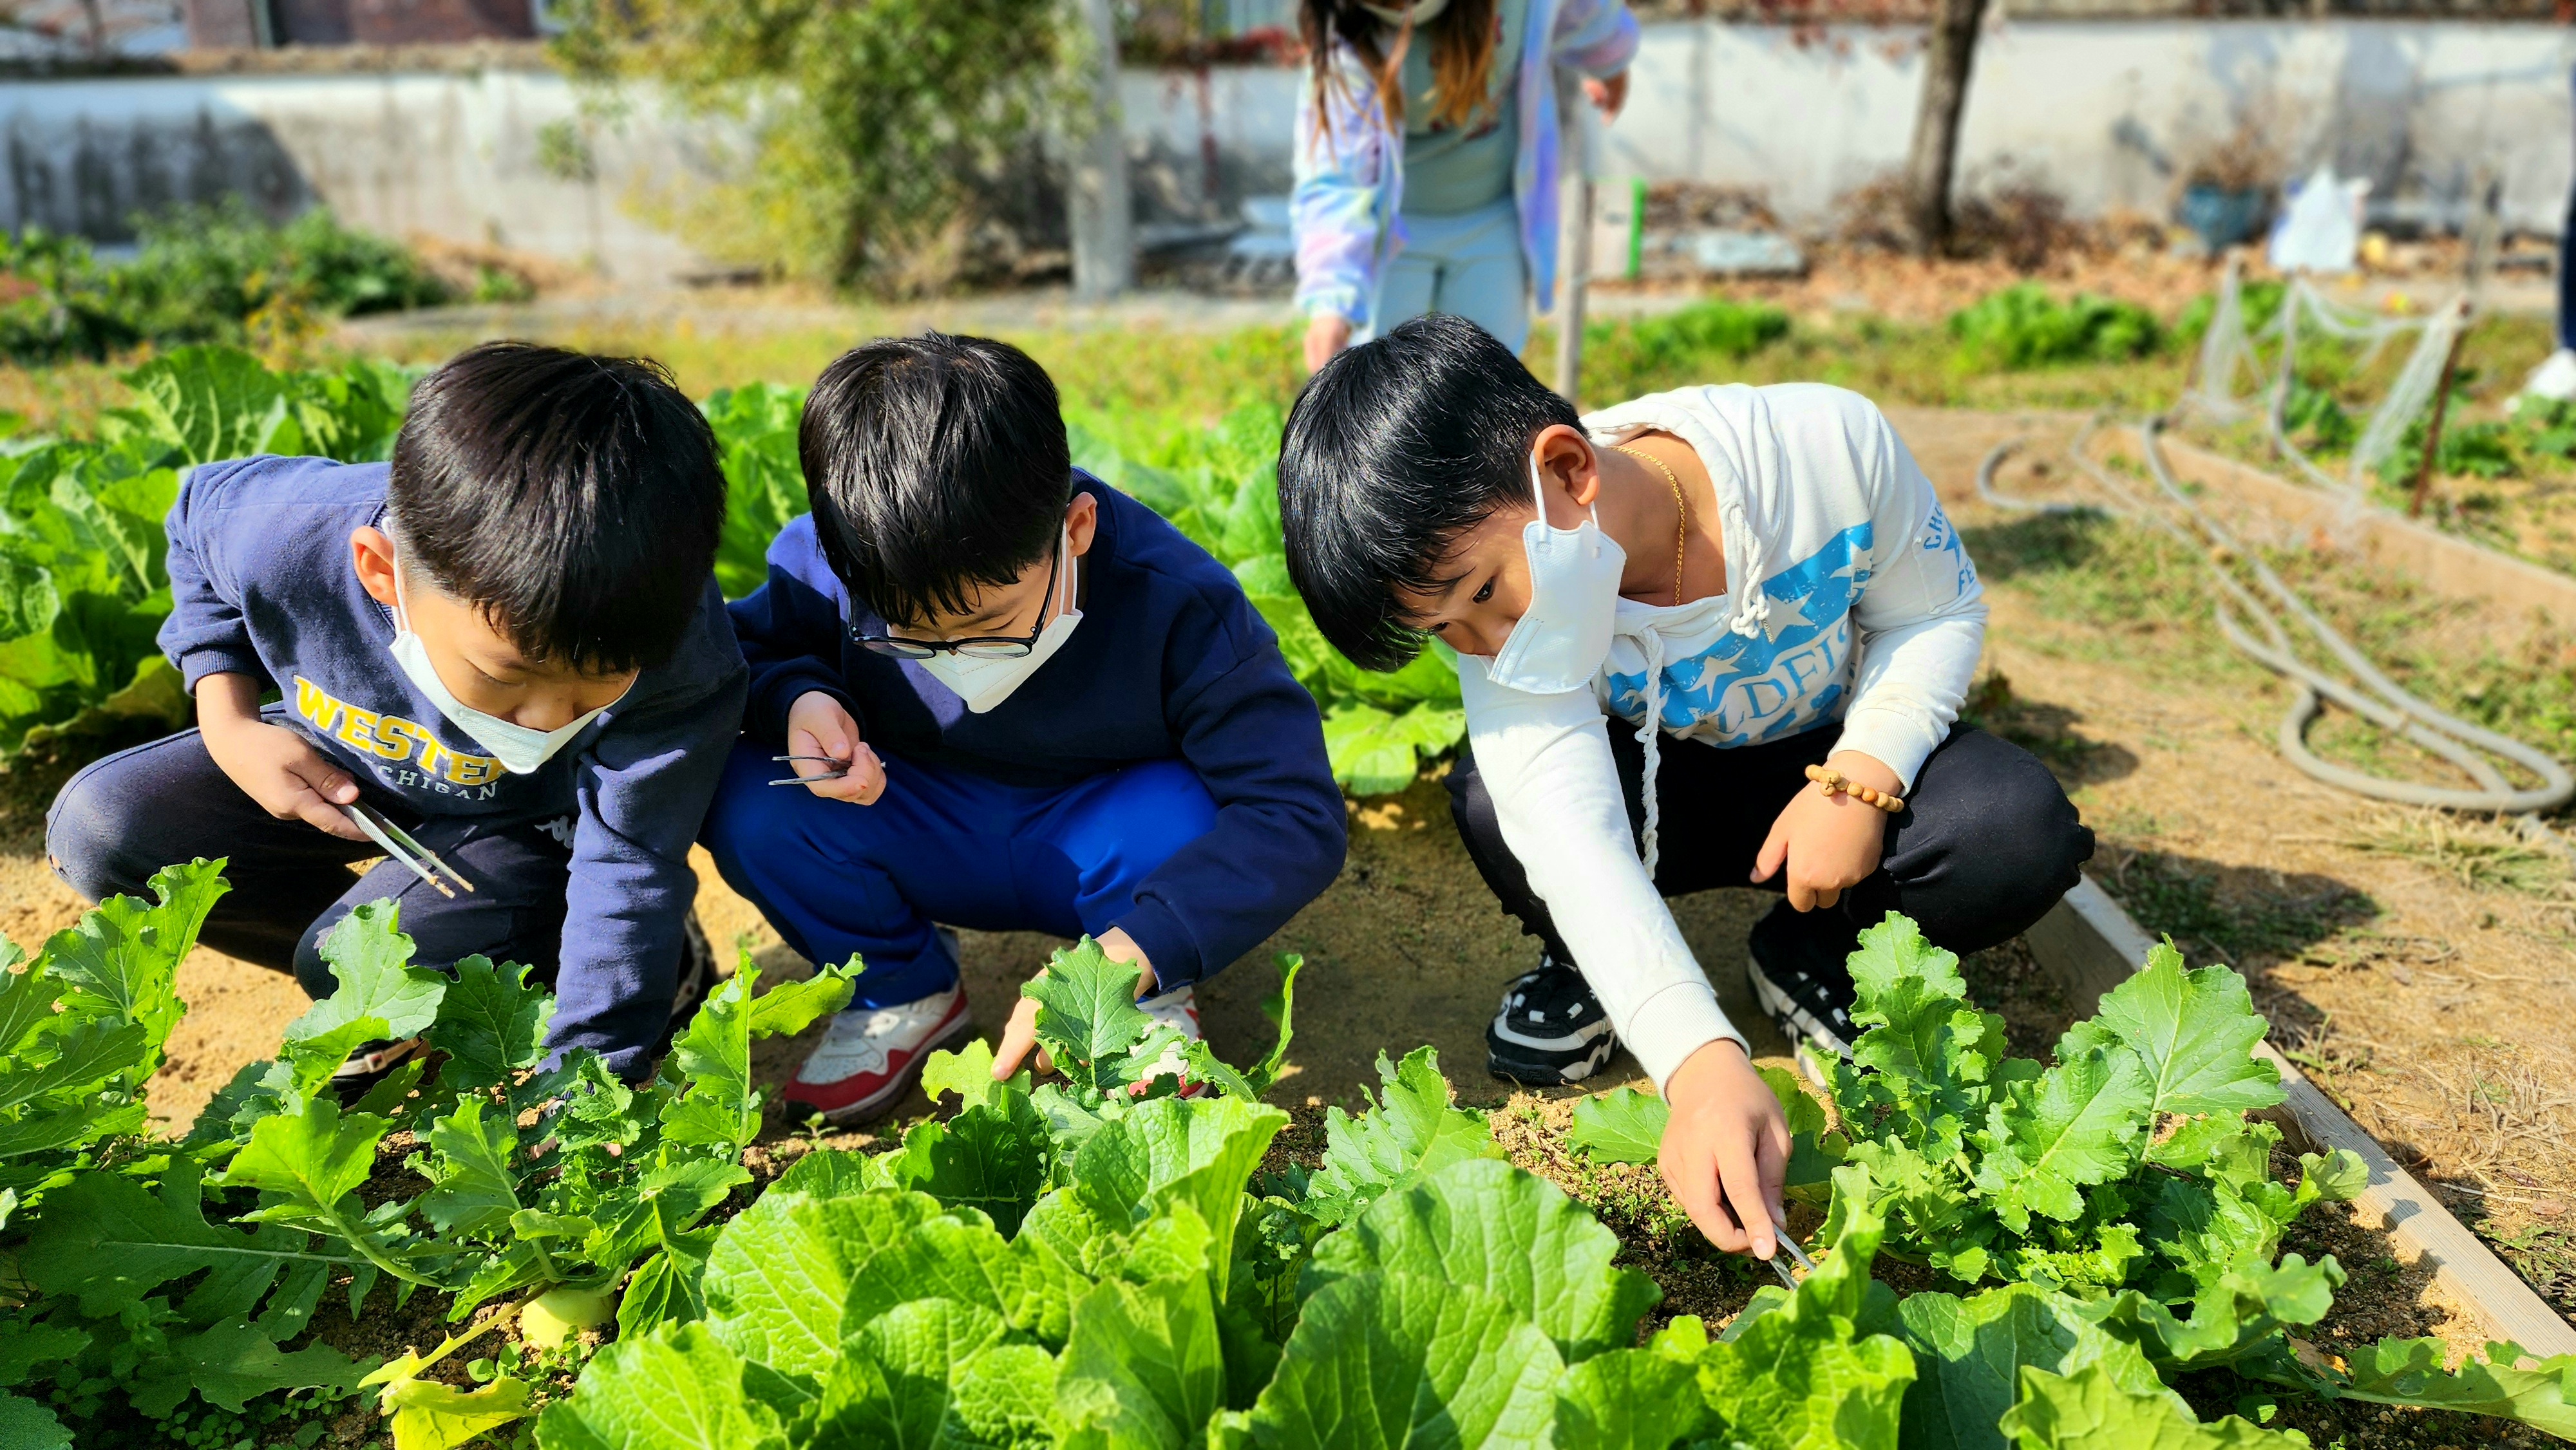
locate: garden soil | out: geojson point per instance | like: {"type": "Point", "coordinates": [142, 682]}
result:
{"type": "Point", "coordinates": [2439, 1008]}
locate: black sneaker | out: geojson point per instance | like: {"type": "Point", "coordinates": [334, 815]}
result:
{"type": "Point", "coordinates": [1800, 976]}
{"type": "Point", "coordinates": [1550, 1030]}
{"type": "Point", "coordinates": [697, 971]}
{"type": "Point", "coordinates": [371, 1064]}
{"type": "Point", "coordinates": [697, 979]}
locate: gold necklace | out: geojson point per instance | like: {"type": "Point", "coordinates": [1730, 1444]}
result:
{"type": "Point", "coordinates": [1681, 529]}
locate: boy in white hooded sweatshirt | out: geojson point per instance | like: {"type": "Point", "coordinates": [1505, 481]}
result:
{"type": "Point", "coordinates": [1597, 578]}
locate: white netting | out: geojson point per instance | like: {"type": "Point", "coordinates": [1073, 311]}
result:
{"type": "Point", "coordinates": [2230, 348]}
{"type": "Point", "coordinates": [2252, 618]}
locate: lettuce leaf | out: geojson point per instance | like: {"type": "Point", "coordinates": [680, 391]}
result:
{"type": "Point", "coordinates": [2091, 1410]}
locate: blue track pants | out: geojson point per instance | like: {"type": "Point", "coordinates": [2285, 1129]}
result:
{"type": "Point", "coordinates": [944, 846]}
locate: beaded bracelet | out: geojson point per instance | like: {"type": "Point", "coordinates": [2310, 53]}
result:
{"type": "Point", "coordinates": [1834, 784]}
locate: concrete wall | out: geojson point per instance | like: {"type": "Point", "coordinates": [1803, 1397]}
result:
{"type": "Point", "coordinates": [2106, 113]}
{"type": "Point", "coordinates": [459, 156]}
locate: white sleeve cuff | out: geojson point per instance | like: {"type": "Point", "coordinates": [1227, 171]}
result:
{"type": "Point", "coordinates": [1667, 1027]}
{"type": "Point", "coordinates": [1896, 739]}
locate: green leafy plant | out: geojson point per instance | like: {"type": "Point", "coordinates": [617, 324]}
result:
{"type": "Point", "coordinates": [2260, 300]}
{"type": "Point", "coordinates": [548, 1181]}
{"type": "Point", "coordinates": [2469, 450]}
{"type": "Point", "coordinates": [1220, 487]}
{"type": "Point", "coordinates": [2121, 1194]}
{"type": "Point", "coordinates": [2545, 427]}
{"type": "Point", "coordinates": [82, 1026]}
{"type": "Point", "coordinates": [202, 274]}
{"type": "Point", "coordinates": [84, 584]}
{"type": "Point", "coordinates": [57, 301]}
{"type": "Point", "coordinates": [2022, 326]}
{"type": "Point", "coordinates": [2317, 412]}
{"type": "Point", "coordinates": [1713, 330]}
{"type": "Point", "coordinates": [1016, 1277]}
{"type": "Point", "coordinates": [755, 428]}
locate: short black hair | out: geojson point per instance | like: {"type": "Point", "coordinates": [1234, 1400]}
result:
{"type": "Point", "coordinates": [1394, 449]}
{"type": "Point", "coordinates": [937, 467]}
{"type": "Point", "coordinates": [574, 500]}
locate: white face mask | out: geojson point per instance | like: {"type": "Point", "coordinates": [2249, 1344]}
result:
{"type": "Point", "coordinates": [519, 749]}
{"type": "Point", "coordinates": [1421, 14]}
{"type": "Point", "coordinates": [985, 683]}
{"type": "Point", "coordinates": [1564, 636]}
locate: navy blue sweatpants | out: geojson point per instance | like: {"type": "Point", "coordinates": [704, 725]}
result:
{"type": "Point", "coordinates": [944, 846]}
{"type": "Point", "coordinates": [123, 818]}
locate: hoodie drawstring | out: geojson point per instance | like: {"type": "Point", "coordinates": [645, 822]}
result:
{"type": "Point", "coordinates": [1650, 735]}
{"type": "Point", "coordinates": [1752, 602]}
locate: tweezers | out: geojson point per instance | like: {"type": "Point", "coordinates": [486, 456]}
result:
{"type": "Point", "coordinates": [399, 845]}
{"type": "Point", "coordinates": [840, 768]}
{"type": "Point", "coordinates": [1797, 1256]}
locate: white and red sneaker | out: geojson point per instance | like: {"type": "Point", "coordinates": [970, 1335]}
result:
{"type": "Point", "coordinates": [870, 1055]}
{"type": "Point", "coordinates": [1177, 1009]}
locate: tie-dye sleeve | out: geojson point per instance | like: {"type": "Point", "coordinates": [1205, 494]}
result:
{"type": "Point", "coordinates": [1345, 172]}
{"type": "Point", "coordinates": [1596, 37]}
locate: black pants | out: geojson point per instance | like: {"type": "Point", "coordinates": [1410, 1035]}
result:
{"type": "Point", "coordinates": [129, 815]}
{"type": "Point", "coordinates": [2567, 275]}
{"type": "Point", "coordinates": [1985, 845]}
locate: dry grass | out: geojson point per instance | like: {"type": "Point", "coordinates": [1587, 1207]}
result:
{"type": "Point", "coordinates": [2481, 854]}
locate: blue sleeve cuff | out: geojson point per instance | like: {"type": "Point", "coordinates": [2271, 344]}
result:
{"type": "Point", "coordinates": [779, 692]}
{"type": "Point", "coordinates": [1166, 943]}
{"type": "Point", "coordinates": [204, 660]}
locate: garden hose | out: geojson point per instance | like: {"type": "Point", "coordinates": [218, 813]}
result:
{"type": "Point", "coordinates": [2381, 700]}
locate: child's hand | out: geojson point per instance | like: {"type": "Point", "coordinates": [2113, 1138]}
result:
{"type": "Point", "coordinates": [272, 764]}
{"type": "Point", "coordinates": [817, 725]}
{"type": "Point", "coordinates": [1326, 336]}
{"type": "Point", "coordinates": [1830, 843]}
{"type": "Point", "coordinates": [1021, 1033]}
{"type": "Point", "coordinates": [1609, 94]}
{"type": "Point", "coordinates": [1726, 1149]}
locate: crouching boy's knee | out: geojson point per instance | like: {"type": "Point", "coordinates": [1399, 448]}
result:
{"type": "Point", "coordinates": [87, 829]}
{"type": "Point", "coordinates": [2032, 843]}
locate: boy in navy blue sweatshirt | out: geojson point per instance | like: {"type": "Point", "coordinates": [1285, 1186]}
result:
{"type": "Point", "coordinates": [1056, 714]}
{"type": "Point", "coordinates": [508, 642]}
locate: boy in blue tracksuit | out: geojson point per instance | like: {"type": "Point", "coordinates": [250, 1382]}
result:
{"type": "Point", "coordinates": [508, 642]}
{"type": "Point", "coordinates": [1020, 700]}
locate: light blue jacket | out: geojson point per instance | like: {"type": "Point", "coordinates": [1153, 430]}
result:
{"type": "Point", "coordinates": [1346, 211]}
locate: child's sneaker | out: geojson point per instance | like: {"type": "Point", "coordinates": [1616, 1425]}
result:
{"type": "Point", "coordinates": [1798, 967]}
{"type": "Point", "coordinates": [1550, 1030]}
{"type": "Point", "coordinates": [697, 979]}
{"type": "Point", "coordinates": [2554, 380]}
{"type": "Point", "coordinates": [1177, 1009]}
{"type": "Point", "coordinates": [358, 1073]}
{"type": "Point", "coordinates": [870, 1055]}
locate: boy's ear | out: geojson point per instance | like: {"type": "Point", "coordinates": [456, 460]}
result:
{"type": "Point", "coordinates": [1082, 522]}
{"type": "Point", "coordinates": [371, 551]}
{"type": "Point", "coordinates": [1567, 464]}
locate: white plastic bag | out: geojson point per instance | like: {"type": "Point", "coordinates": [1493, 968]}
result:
{"type": "Point", "coordinates": [2320, 230]}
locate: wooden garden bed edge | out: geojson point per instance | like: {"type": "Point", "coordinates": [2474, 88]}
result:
{"type": "Point", "coordinates": [2090, 944]}
{"type": "Point", "coordinates": [2291, 514]}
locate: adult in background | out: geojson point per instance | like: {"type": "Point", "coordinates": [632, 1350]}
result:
{"type": "Point", "coordinates": [2556, 377]}
{"type": "Point", "coordinates": [1426, 158]}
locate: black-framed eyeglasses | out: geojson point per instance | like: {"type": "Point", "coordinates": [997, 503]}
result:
{"type": "Point", "coordinates": [973, 647]}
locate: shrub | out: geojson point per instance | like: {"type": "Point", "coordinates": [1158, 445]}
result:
{"type": "Point", "coordinates": [1714, 328]}
{"type": "Point", "coordinates": [203, 275]}
{"type": "Point", "coordinates": [2023, 327]}
{"type": "Point", "coordinates": [875, 129]}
